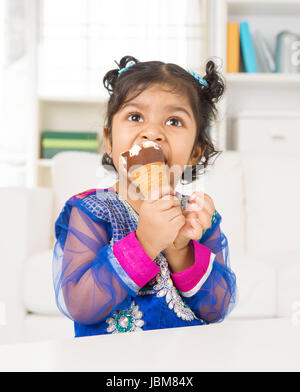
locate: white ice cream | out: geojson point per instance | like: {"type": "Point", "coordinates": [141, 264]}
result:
{"type": "Point", "coordinates": [149, 143]}
{"type": "Point", "coordinates": [135, 149]}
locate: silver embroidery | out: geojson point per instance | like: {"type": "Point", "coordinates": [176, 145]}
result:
{"type": "Point", "coordinates": [165, 288]}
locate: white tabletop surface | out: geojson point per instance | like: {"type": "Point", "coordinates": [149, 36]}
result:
{"type": "Point", "coordinates": [255, 345]}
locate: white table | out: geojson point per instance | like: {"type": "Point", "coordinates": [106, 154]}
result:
{"type": "Point", "coordinates": [256, 345]}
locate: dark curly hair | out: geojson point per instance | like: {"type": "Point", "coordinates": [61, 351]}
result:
{"type": "Point", "coordinates": [142, 74]}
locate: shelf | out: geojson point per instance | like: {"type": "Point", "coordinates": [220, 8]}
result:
{"type": "Point", "coordinates": [264, 78]}
{"type": "Point", "coordinates": [258, 7]}
{"type": "Point", "coordinates": [266, 114]}
{"type": "Point", "coordinates": [261, 2]}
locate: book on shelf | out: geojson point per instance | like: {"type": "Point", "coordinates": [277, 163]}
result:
{"type": "Point", "coordinates": [54, 142]}
{"type": "Point", "coordinates": [247, 48]}
{"type": "Point", "coordinates": [47, 134]}
{"type": "Point", "coordinates": [265, 58]}
{"type": "Point", "coordinates": [233, 47]}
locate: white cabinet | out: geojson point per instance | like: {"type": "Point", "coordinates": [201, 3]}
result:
{"type": "Point", "coordinates": [269, 132]}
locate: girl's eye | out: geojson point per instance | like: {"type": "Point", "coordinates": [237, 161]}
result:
{"type": "Point", "coordinates": [135, 117]}
{"type": "Point", "coordinates": [174, 121]}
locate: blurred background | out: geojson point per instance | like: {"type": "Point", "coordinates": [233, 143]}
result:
{"type": "Point", "coordinates": [53, 56]}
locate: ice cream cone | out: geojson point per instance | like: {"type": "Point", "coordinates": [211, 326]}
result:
{"type": "Point", "coordinates": [150, 177]}
{"type": "Point", "coordinates": [151, 174]}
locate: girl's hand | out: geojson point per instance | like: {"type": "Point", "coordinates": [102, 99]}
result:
{"type": "Point", "coordinates": [198, 214]}
{"type": "Point", "coordinates": [160, 220]}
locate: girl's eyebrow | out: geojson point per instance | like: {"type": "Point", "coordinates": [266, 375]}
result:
{"type": "Point", "coordinates": [168, 107]}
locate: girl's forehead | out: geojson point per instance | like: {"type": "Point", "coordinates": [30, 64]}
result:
{"type": "Point", "coordinates": [159, 89]}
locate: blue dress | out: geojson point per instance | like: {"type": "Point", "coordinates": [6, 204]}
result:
{"type": "Point", "coordinates": [94, 277]}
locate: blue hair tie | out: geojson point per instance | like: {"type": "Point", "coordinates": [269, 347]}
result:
{"type": "Point", "coordinates": [130, 64]}
{"type": "Point", "coordinates": [198, 77]}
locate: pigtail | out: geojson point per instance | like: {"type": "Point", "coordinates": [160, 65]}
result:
{"type": "Point", "coordinates": [216, 83]}
{"type": "Point", "coordinates": [111, 77]}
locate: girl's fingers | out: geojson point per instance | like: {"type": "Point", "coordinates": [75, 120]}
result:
{"type": "Point", "coordinates": [198, 215]}
{"type": "Point", "coordinates": [192, 229]}
{"type": "Point", "coordinates": [205, 219]}
{"type": "Point", "coordinates": [167, 202]}
{"type": "Point", "coordinates": [201, 201]}
{"type": "Point", "coordinates": [197, 229]}
{"type": "Point", "coordinates": [203, 216]}
{"type": "Point", "coordinates": [156, 193]}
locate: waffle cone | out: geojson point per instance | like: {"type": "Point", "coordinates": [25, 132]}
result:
{"type": "Point", "coordinates": [149, 177]}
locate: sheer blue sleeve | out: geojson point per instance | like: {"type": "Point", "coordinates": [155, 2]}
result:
{"type": "Point", "coordinates": [217, 295]}
{"type": "Point", "coordinates": [88, 281]}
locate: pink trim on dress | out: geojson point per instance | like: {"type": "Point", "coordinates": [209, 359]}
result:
{"type": "Point", "coordinates": [82, 195]}
{"type": "Point", "coordinates": [188, 279]}
{"type": "Point", "coordinates": [134, 260]}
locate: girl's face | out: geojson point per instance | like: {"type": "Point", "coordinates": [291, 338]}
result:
{"type": "Point", "coordinates": [160, 116]}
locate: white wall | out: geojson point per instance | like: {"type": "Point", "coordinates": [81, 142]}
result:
{"type": "Point", "coordinates": [17, 73]}
{"type": "Point", "coordinates": [79, 43]}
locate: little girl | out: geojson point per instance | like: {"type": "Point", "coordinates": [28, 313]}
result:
{"type": "Point", "coordinates": [115, 266]}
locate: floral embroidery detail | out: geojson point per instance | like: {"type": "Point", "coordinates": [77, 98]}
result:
{"type": "Point", "coordinates": [126, 320]}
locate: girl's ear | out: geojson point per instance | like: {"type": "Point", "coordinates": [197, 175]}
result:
{"type": "Point", "coordinates": [196, 155]}
{"type": "Point", "coordinates": [107, 142]}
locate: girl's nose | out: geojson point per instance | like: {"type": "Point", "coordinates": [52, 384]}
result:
{"type": "Point", "coordinates": [154, 134]}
